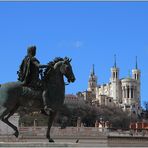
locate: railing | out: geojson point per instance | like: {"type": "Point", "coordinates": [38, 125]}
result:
{"type": "Point", "coordinates": [128, 132]}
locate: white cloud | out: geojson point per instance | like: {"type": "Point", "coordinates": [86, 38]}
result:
{"type": "Point", "coordinates": [78, 44]}
{"type": "Point", "coordinates": [70, 44]}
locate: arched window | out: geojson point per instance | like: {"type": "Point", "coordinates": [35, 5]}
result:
{"type": "Point", "coordinates": [113, 74]}
{"type": "Point", "coordinates": [135, 77]}
{"type": "Point", "coordinates": [127, 92]}
{"type": "Point", "coordinates": [131, 92]}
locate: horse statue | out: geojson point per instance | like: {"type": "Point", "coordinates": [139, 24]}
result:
{"type": "Point", "coordinates": [14, 95]}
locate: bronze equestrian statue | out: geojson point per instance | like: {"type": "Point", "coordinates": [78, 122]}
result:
{"type": "Point", "coordinates": [17, 95]}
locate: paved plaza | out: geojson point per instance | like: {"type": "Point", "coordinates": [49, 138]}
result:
{"type": "Point", "coordinates": [73, 142]}
{"type": "Point", "coordinates": [58, 143]}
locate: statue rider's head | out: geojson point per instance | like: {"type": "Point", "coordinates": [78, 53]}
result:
{"type": "Point", "coordinates": [31, 51]}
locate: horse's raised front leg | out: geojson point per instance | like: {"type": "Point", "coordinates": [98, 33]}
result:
{"type": "Point", "coordinates": [7, 116]}
{"type": "Point", "coordinates": [50, 121]}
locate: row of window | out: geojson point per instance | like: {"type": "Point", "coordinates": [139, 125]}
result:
{"type": "Point", "coordinates": [128, 93]}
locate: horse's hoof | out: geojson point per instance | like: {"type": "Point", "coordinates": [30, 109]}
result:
{"type": "Point", "coordinates": [77, 140]}
{"type": "Point", "coordinates": [16, 134]}
{"type": "Point", "coordinates": [42, 111]}
{"type": "Point", "coordinates": [51, 140]}
{"type": "Point", "coordinates": [48, 110]}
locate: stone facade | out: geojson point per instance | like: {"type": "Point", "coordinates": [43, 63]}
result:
{"type": "Point", "coordinates": [74, 100]}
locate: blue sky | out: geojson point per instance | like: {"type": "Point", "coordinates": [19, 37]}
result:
{"type": "Point", "coordinates": [88, 32]}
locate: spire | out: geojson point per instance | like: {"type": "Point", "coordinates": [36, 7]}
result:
{"type": "Point", "coordinates": [93, 70]}
{"type": "Point", "coordinates": [129, 75]}
{"type": "Point", "coordinates": [115, 60]}
{"type": "Point", "coordinates": [136, 66]}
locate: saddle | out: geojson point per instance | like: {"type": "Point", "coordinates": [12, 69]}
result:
{"type": "Point", "coordinates": [37, 85]}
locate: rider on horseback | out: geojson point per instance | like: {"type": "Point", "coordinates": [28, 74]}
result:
{"type": "Point", "coordinates": [29, 71]}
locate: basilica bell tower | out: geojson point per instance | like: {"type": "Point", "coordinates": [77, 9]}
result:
{"type": "Point", "coordinates": [136, 76]}
{"type": "Point", "coordinates": [92, 83]}
{"type": "Point", "coordinates": [115, 82]}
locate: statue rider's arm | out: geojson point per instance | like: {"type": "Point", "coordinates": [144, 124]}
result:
{"type": "Point", "coordinates": [37, 63]}
{"type": "Point", "coordinates": [43, 66]}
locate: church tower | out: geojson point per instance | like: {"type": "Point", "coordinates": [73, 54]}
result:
{"type": "Point", "coordinates": [136, 76]}
{"type": "Point", "coordinates": [92, 83]}
{"type": "Point", "coordinates": [136, 72]}
{"type": "Point", "coordinates": [115, 82]}
{"type": "Point", "coordinates": [114, 71]}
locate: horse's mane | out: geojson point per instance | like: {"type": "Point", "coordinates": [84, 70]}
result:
{"type": "Point", "coordinates": [51, 65]}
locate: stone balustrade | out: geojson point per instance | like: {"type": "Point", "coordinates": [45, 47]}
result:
{"type": "Point", "coordinates": [58, 132]}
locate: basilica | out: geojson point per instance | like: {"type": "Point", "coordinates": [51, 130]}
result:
{"type": "Point", "coordinates": [124, 92]}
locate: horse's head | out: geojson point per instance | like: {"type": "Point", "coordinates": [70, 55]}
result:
{"type": "Point", "coordinates": [59, 66]}
{"type": "Point", "coordinates": [66, 69]}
